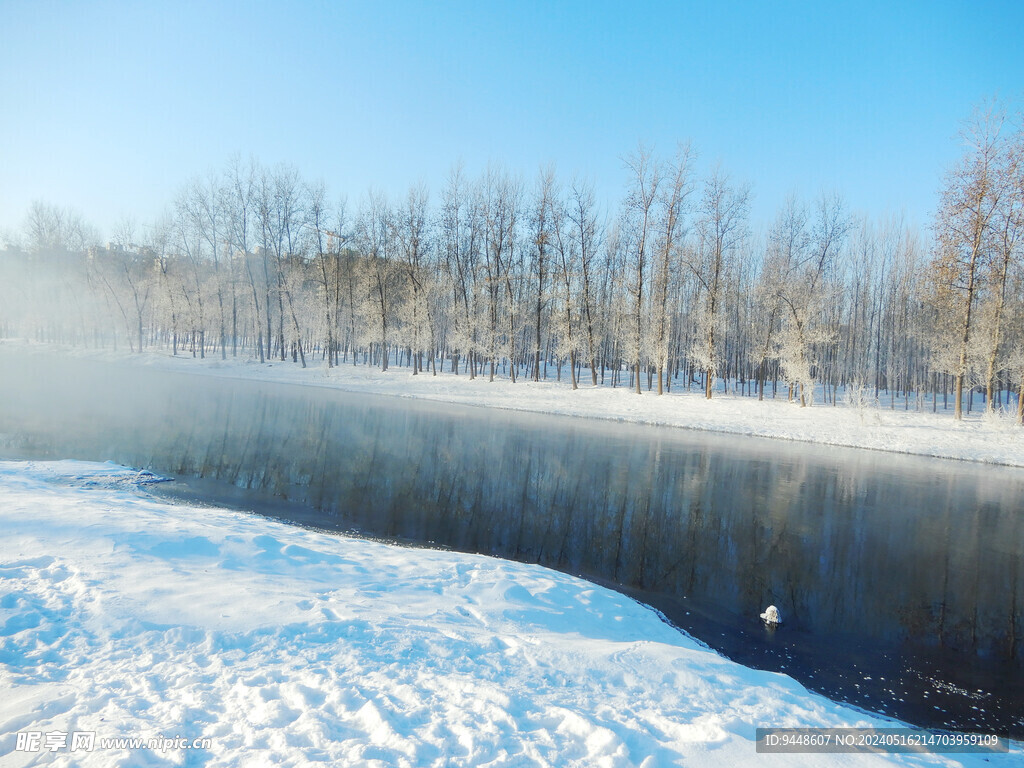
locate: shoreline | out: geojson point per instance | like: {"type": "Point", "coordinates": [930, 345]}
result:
{"type": "Point", "coordinates": [987, 439]}
{"type": "Point", "coordinates": [303, 631]}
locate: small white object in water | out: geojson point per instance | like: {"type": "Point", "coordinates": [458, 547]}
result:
{"type": "Point", "coordinates": [771, 616]}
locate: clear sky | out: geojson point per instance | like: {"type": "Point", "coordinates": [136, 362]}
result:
{"type": "Point", "coordinates": [110, 107]}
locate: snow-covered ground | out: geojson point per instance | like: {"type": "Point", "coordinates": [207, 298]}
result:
{"type": "Point", "coordinates": [993, 439]}
{"type": "Point", "coordinates": [123, 616]}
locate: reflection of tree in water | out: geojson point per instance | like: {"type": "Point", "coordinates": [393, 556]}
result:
{"type": "Point", "coordinates": [844, 541]}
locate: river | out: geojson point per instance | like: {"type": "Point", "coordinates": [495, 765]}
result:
{"type": "Point", "coordinates": [900, 579]}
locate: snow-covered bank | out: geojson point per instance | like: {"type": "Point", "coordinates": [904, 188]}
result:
{"type": "Point", "coordinates": [996, 439]}
{"type": "Point", "coordinates": [125, 616]}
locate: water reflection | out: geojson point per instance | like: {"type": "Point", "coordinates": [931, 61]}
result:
{"type": "Point", "coordinates": [911, 566]}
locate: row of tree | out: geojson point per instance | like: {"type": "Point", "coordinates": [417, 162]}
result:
{"type": "Point", "coordinates": [504, 278]}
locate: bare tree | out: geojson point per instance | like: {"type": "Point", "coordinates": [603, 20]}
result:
{"type": "Point", "coordinates": [202, 203]}
{"type": "Point", "coordinates": [241, 201]}
{"type": "Point", "coordinates": [721, 228]}
{"type": "Point", "coordinates": [49, 228]}
{"type": "Point", "coordinates": [375, 233]}
{"type": "Point", "coordinates": [671, 233]}
{"type": "Point", "coordinates": [963, 230]}
{"type": "Point", "coordinates": [462, 237]}
{"type": "Point", "coordinates": [803, 298]}
{"type": "Point", "coordinates": [1008, 226]}
{"type": "Point", "coordinates": [501, 215]}
{"type": "Point", "coordinates": [541, 225]}
{"type": "Point", "coordinates": [327, 245]}
{"type": "Point", "coordinates": [586, 235]}
{"type": "Point", "coordinates": [126, 271]}
{"type": "Point", "coordinates": [413, 237]}
{"type": "Point", "coordinates": [787, 243]}
{"type": "Point", "coordinates": [638, 219]}
{"type": "Point", "coordinates": [567, 249]}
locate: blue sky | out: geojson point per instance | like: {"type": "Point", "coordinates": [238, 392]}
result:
{"type": "Point", "coordinates": [110, 107]}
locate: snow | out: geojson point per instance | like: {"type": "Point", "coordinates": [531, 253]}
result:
{"type": "Point", "coordinates": [994, 439]}
{"type": "Point", "coordinates": [129, 616]}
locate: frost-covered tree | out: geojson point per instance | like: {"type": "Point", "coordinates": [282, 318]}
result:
{"type": "Point", "coordinates": [1006, 257]}
{"type": "Point", "coordinates": [637, 232]}
{"type": "Point", "coordinates": [567, 317]}
{"type": "Point", "coordinates": [462, 238]}
{"type": "Point", "coordinates": [502, 261]}
{"type": "Point", "coordinates": [541, 234]}
{"type": "Point", "coordinates": [375, 239]}
{"type": "Point", "coordinates": [804, 291]}
{"type": "Point", "coordinates": [585, 232]}
{"type": "Point", "coordinates": [414, 245]}
{"type": "Point", "coordinates": [964, 235]}
{"type": "Point", "coordinates": [672, 211]}
{"type": "Point", "coordinates": [721, 229]}
{"type": "Point", "coordinates": [240, 202]}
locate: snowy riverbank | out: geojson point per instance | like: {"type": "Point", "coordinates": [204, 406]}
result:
{"type": "Point", "coordinates": [124, 616]}
{"type": "Point", "coordinates": [990, 439]}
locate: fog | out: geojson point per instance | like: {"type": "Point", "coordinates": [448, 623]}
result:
{"type": "Point", "coordinates": [907, 566]}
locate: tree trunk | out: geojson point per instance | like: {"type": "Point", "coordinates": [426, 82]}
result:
{"type": "Point", "coordinates": [1020, 402]}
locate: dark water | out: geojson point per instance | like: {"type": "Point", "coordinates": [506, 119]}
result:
{"type": "Point", "coordinates": [900, 579]}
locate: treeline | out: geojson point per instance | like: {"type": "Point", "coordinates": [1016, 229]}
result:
{"type": "Point", "coordinates": [495, 276]}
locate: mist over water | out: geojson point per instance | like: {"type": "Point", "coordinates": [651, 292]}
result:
{"type": "Point", "coordinates": [899, 578]}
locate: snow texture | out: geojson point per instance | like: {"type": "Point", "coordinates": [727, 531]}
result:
{"type": "Point", "coordinates": [135, 617]}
